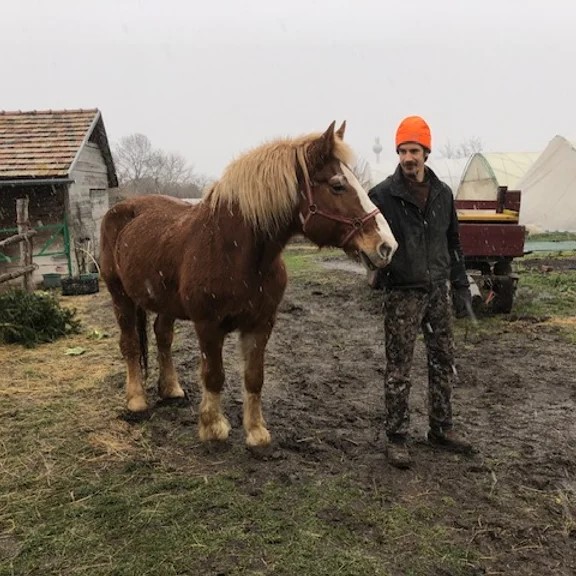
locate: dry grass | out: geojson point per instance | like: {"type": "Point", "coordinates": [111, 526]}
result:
{"type": "Point", "coordinates": [46, 371]}
{"type": "Point", "coordinates": [71, 392]}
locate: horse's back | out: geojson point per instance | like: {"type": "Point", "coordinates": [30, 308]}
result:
{"type": "Point", "coordinates": [131, 208]}
{"type": "Point", "coordinates": [142, 207]}
{"type": "Point", "coordinates": [142, 215]}
{"type": "Point", "coordinates": [142, 240]}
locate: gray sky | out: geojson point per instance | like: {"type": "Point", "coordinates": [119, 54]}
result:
{"type": "Point", "coordinates": [212, 78]}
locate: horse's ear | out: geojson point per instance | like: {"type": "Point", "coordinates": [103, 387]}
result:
{"type": "Point", "coordinates": [341, 130]}
{"type": "Point", "coordinates": [320, 149]}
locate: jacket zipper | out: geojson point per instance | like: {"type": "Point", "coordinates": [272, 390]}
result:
{"type": "Point", "coordinates": [425, 226]}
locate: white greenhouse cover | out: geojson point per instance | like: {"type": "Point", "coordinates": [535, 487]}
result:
{"type": "Point", "coordinates": [549, 189]}
{"type": "Point", "coordinates": [486, 171]}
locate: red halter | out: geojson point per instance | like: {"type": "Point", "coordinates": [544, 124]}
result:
{"type": "Point", "coordinates": [356, 224]}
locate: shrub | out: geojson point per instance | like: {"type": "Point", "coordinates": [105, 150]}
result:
{"type": "Point", "coordinates": [33, 318]}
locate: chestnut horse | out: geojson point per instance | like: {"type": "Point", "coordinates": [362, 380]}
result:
{"type": "Point", "coordinates": [219, 263]}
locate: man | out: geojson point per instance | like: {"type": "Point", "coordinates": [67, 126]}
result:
{"type": "Point", "coordinates": [420, 211]}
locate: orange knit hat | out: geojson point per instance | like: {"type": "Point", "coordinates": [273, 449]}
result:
{"type": "Point", "coordinates": [414, 129]}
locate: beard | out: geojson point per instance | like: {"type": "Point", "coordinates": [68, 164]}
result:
{"type": "Point", "coordinates": [410, 170]}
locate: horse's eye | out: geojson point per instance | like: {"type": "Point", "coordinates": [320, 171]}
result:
{"type": "Point", "coordinates": [337, 186]}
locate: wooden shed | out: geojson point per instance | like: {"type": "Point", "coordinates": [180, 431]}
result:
{"type": "Point", "coordinates": [61, 161]}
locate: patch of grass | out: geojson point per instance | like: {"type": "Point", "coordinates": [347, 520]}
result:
{"type": "Point", "coordinates": [546, 293]}
{"type": "Point", "coordinates": [300, 262]}
{"type": "Point", "coordinates": [553, 237]}
{"type": "Point", "coordinates": [145, 520]}
{"type": "Point", "coordinates": [548, 296]}
{"type": "Point", "coordinates": [304, 261]}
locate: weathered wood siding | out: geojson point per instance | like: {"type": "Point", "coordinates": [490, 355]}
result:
{"type": "Point", "coordinates": [88, 196]}
{"type": "Point", "coordinates": [46, 207]}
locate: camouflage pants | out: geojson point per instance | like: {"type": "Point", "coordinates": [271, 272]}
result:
{"type": "Point", "coordinates": [406, 313]}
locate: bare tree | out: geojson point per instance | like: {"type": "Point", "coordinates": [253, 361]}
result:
{"type": "Point", "coordinates": [174, 169]}
{"type": "Point", "coordinates": [462, 150]}
{"type": "Point", "coordinates": [133, 157]}
{"type": "Point", "coordinates": [142, 169]}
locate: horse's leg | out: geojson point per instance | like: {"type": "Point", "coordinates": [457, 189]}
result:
{"type": "Point", "coordinates": [168, 385]}
{"type": "Point", "coordinates": [125, 311]}
{"type": "Point", "coordinates": [253, 345]}
{"type": "Point", "coordinates": [213, 425]}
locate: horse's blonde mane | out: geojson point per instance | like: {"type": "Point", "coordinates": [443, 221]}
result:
{"type": "Point", "coordinates": [262, 183]}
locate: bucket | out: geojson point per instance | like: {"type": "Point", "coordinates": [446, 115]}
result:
{"type": "Point", "coordinates": [52, 280]}
{"type": "Point", "coordinates": [84, 284]}
{"type": "Point", "coordinates": [90, 276]}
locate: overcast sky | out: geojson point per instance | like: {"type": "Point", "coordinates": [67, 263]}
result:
{"type": "Point", "coordinates": [212, 78]}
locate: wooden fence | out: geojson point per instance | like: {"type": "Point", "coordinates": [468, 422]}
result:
{"type": "Point", "coordinates": [25, 233]}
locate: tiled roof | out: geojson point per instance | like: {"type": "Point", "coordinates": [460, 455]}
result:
{"type": "Point", "coordinates": [42, 144]}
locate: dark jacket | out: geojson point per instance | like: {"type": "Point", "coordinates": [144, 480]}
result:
{"type": "Point", "coordinates": [429, 251]}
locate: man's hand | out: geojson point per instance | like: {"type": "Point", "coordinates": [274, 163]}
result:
{"type": "Point", "coordinates": [462, 301]}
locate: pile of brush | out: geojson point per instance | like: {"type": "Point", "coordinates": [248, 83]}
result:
{"type": "Point", "coordinates": [34, 318]}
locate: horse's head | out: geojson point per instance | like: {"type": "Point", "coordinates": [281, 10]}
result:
{"type": "Point", "coordinates": [334, 208]}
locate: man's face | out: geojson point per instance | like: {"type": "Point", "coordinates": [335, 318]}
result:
{"type": "Point", "coordinates": [412, 157]}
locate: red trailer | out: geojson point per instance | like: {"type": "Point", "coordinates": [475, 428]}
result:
{"type": "Point", "coordinates": [491, 238]}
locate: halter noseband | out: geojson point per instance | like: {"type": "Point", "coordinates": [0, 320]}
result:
{"type": "Point", "coordinates": [356, 224]}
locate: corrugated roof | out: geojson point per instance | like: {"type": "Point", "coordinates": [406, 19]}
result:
{"type": "Point", "coordinates": [42, 144]}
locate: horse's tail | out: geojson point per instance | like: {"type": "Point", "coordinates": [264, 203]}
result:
{"type": "Point", "coordinates": [142, 330]}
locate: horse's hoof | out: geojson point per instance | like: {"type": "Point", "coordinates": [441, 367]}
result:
{"type": "Point", "coordinates": [258, 438]}
{"type": "Point", "coordinates": [137, 404]}
{"type": "Point", "coordinates": [172, 393]}
{"type": "Point", "coordinates": [217, 431]}
{"type": "Point", "coordinates": [135, 417]}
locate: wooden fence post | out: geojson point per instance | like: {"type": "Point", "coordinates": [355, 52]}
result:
{"type": "Point", "coordinates": [26, 244]}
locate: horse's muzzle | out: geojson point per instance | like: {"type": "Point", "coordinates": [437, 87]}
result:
{"type": "Point", "coordinates": [380, 257]}
{"type": "Point", "coordinates": [386, 251]}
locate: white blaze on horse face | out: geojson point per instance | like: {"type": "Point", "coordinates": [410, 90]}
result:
{"type": "Point", "coordinates": [382, 226]}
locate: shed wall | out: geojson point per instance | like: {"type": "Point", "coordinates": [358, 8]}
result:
{"type": "Point", "coordinates": [88, 197]}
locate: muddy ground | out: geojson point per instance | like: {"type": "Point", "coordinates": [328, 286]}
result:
{"type": "Point", "coordinates": [513, 503]}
